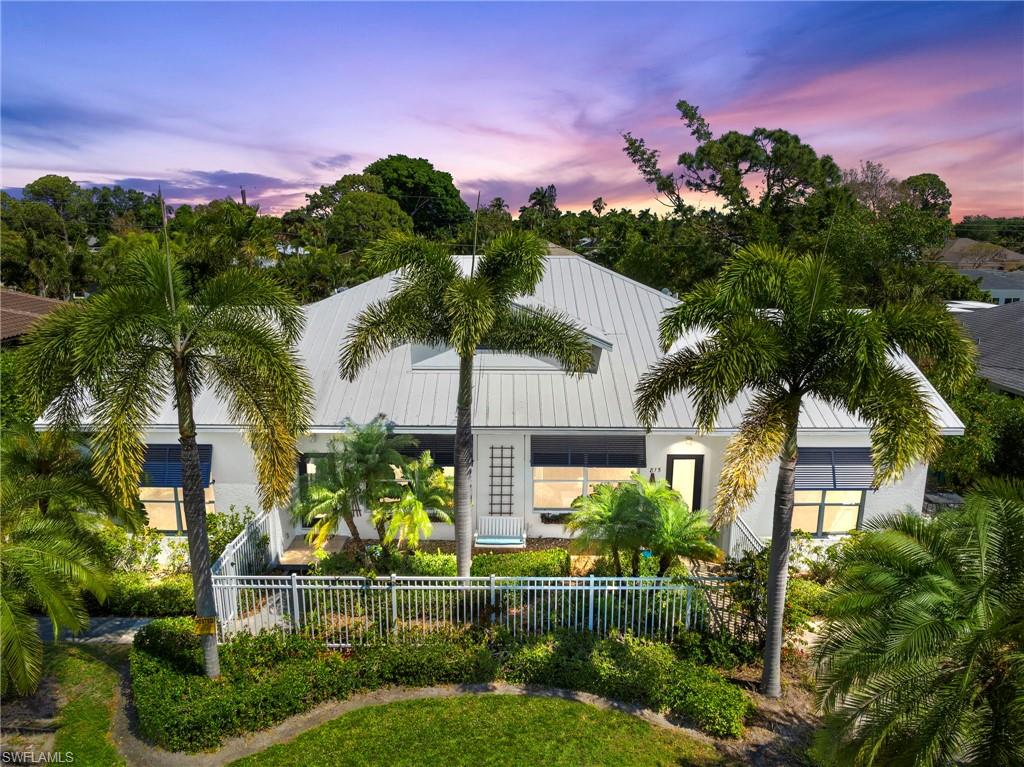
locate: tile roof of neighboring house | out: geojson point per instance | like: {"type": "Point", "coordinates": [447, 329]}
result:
{"type": "Point", "coordinates": [619, 314]}
{"type": "Point", "coordinates": [965, 253]}
{"type": "Point", "coordinates": [19, 311]}
{"type": "Point", "coordinates": [999, 333]}
{"type": "Point", "coordinates": [994, 279]}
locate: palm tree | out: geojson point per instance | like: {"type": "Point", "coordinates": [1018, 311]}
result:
{"type": "Point", "coordinates": [604, 522]}
{"type": "Point", "coordinates": [27, 454]}
{"type": "Point", "coordinates": [426, 497]}
{"type": "Point", "coordinates": [678, 531]}
{"type": "Point", "coordinates": [113, 360]}
{"type": "Point", "coordinates": [434, 302]}
{"type": "Point", "coordinates": [358, 473]}
{"type": "Point", "coordinates": [775, 325]}
{"type": "Point", "coordinates": [920, 660]}
{"type": "Point", "coordinates": [42, 559]}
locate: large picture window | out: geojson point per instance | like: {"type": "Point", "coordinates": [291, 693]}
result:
{"type": "Point", "coordinates": [556, 487]}
{"type": "Point", "coordinates": [827, 512]}
{"type": "Point", "coordinates": [165, 508]}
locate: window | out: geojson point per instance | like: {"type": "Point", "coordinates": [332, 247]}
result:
{"type": "Point", "coordinates": [556, 487]}
{"type": "Point", "coordinates": [165, 507]}
{"type": "Point", "coordinates": [827, 512]}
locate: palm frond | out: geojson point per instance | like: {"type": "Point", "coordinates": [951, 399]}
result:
{"type": "Point", "coordinates": [537, 331]}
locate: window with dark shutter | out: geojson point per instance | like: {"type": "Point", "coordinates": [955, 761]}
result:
{"type": "Point", "coordinates": [441, 447]}
{"type": "Point", "coordinates": [615, 451]}
{"type": "Point", "coordinates": [162, 465]}
{"type": "Point", "coordinates": [834, 468]}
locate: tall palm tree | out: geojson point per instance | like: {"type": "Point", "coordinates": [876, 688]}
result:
{"type": "Point", "coordinates": [775, 325]}
{"type": "Point", "coordinates": [359, 472]}
{"type": "Point", "coordinates": [436, 303]}
{"type": "Point", "coordinates": [113, 360]}
{"type": "Point", "coordinates": [425, 496]}
{"type": "Point", "coordinates": [43, 559]}
{"type": "Point", "coordinates": [27, 454]}
{"type": "Point", "coordinates": [920, 661]}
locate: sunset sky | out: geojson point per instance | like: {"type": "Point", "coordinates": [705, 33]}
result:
{"type": "Point", "coordinates": [201, 98]}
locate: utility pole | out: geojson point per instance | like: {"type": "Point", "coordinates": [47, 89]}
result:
{"type": "Point", "coordinates": [476, 226]}
{"type": "Point", "coordinates": [167, 248]}
{"type": "Point", "coordinates": [243, 194]}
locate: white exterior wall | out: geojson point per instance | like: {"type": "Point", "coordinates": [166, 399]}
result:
{"type": "Point", "coordinates": [235, 481]}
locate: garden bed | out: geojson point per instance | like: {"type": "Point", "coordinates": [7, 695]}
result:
{"type": "Point", "coordinates": [270, 677]}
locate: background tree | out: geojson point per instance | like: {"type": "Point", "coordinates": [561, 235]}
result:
{"type": "Point", "coordinates": [1007, 232]}
{"type": "Point", "coordinates": [919, 661]}
{"type": "Point", "coordinates": [778, 326]}
{"type": "Point", "coordinates": [427, 195]}
{"type": "Point", "coordinates": [540, 208]}
{"type": "Point", "coordinates": [360, 218]}
{"type": "Point", "coordinates": [435, 302]}
{"type": "Point", "coordinates": [113, 360]}
{"type": "Point", "coordinates": [225, 234]}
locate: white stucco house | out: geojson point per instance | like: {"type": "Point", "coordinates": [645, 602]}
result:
{"type": "Point", "coordinates": [541, 437]}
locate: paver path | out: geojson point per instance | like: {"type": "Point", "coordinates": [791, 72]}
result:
{"type": "Point", "coordinates": [140, 754]}
{"type": "Point", "coordinates": [109, 629]}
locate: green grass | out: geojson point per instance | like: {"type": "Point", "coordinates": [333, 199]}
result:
{"type": "Point", "coordinates": [88, 676]}
{"type": "Point", "coordinates": [476, 731]}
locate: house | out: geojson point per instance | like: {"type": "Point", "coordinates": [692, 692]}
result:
{"type": "Point", "coordinates": [541, 437]}
{"type": "Point", "coordinates": [999, 333]}
{"type": "Point", "coordinates": [20, 311]}
{"type": "Point", "coordinates": [965, 253]}
{"type": "Point", "coordinates": [1005, 287]}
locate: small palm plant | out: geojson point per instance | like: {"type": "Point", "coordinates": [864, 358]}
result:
{"type": "Point", "coordinates": [359, 471]}
{"type": "Point", "coordinates": [920, 661]}
{"type": "Point", "coordinates": [43, 559]}
{"type": "Point", "coordinates": [604, 524]}
{"type": "Point", "coordinates": [426, 497]}
{"type": "Point", "coordinates": [436, 303]}
{"type": "Point", "coordinates": [775, 327]}
{"type": "Point", "coordinates": [113, 361]}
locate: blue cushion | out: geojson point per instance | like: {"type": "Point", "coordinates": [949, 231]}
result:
{"type": "Point", "coordinates": [500, 541]}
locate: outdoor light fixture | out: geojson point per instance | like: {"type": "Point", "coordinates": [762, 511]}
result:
{"type": "Point", "coordinates": [310, 467]}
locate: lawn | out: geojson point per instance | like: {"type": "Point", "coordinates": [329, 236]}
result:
{"type": "Point", "coordinates": [87, 675]}
{"type": "Point", "coordinates": [505, 730]}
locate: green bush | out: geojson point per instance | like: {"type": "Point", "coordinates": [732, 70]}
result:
{"type": "Point", "coordinates": [702, 696]}
{"type": "Point", "coordinates": [122, 551]}
{"type": "Point", "coordinates": [135, 595]}
{"type": "Point", "coordinates": [806, 599]}
{"type": "Point", "coordinates": [720, 650]}
{"type": "Point", "coordinates": [269, 677]}
{"type": "Point", "coordinates": [550, 563]}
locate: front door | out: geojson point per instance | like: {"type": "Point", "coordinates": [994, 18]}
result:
{"type": "Point", "coordinates": [684, 474]}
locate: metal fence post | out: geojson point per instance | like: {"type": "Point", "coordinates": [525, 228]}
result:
{"type": "Point", "coordinates": [689, 595]}
{"type": "Point", "coordinates": [494, 596]}
{"type": "Point", "coordinates": [393, 590]}
{"type": "Point", "coordinates": [590, 602]}
{"type": "Point", "coordinates": [296, 614]}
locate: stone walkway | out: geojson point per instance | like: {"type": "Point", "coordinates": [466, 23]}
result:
{"type": "Point", "coordinates": [140, 754]}
{"type": "Point", "coordinates": [110, 629]}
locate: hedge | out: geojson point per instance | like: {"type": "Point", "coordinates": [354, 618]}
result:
{"type": "Point", "coordinates": [269, 677]}
{"type": "Point", "coordinates": [134, 595]}
{"type": "Point", "coordinates": [550, 563]}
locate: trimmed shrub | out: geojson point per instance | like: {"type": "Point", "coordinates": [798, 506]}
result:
{"type": "Point", "coordinates": [550, 563]}
{"type": "Point", "coordinates": [720, 650]}
{"type": "Point", "coordinates": [269, 677]}
{"type": "Point", "coordinates": [701, 695]}
{"type": "Point", "coordinates": [135, 595]}
{"type": "Point", "coordinates": [806, 599]}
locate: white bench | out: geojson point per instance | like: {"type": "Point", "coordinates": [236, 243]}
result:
{"type": "Point", "coordinates": [500, 532]}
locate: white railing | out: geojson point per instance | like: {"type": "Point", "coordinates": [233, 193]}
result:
{"type": "Point", "coordinates": [345, 611]}
{"type": "Point", "coordinates": [254, 549]}
{"type": "Point", "coordinates": [750, 541]}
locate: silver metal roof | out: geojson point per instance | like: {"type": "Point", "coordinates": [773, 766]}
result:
{"type": "Point", "coordinates": [619, 314]}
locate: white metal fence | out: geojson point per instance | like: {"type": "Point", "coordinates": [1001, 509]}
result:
{"type": "Point", "coordinates": [253, 550]}
{"type": "Point", "coordinates": [345, 611]}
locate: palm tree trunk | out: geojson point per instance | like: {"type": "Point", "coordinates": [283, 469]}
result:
{"type": "Point", "coordinates": [617, 561]}
{"type": "Point", "coordinates": [664, 563]}
{"type": "Point", "coordinates": [353, 531]}
{"type": "Point", "coordinates": [778, 568]}
{"type": "Point", "coordinates": [195, 520]}
{"type": "Point", "coordinates": [464, 468]}
{"type": "Point", "coordinates": [634, 562]}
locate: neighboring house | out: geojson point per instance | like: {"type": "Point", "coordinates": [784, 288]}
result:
{"type": "Point", "coordinates": [1005, 287]}
{"type": "Point", "coordinates": [999, 333]}
{"type": "Point", "coordinates": [20, 311]}
{"type": "Point", "coordinates": [541, 437]}
{"type": "Point", "coordinates": [965, 253]}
